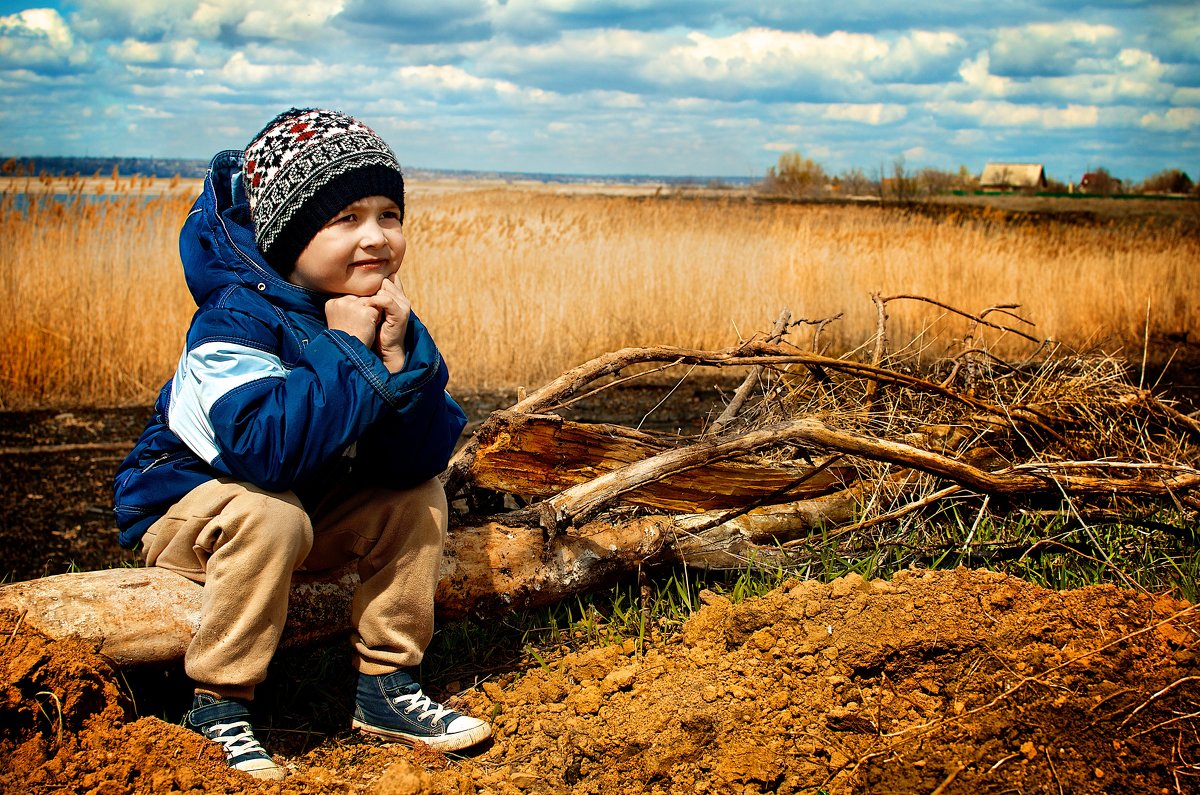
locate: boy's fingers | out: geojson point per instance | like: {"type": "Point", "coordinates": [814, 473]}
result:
{"type": "Point", "coordinates": [391, 288]}
{"type": "Point", "coordinates": [380, 303]}
{"type": "Point", "coordinates": [390, 298]}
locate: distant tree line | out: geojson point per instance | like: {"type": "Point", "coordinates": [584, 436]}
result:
{"type": "Point", "coordinates": [102, 166]}
{"type": "Point", "coordinates": [796, 176]}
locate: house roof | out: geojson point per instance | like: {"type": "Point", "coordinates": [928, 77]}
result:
{"type": "Point", "coordinates": [1012, 175]}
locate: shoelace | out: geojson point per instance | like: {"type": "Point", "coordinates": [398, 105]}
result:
{"type": "Point", "coordinates": [239, 744]}
{"type": "Point", "coordinates": [428, 706]}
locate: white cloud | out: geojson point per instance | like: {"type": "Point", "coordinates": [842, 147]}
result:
{"type": "Point", "coordinates": [119, 19]}
{"type": "Point", "coordinates": [631, 84]}
{"type": "Point", "coordinates": [976, 74]}
{"type": "Point", "coordinates": [1010, 114]}
{"type": "Point", "coordinates": [240, 71]}
{"type": "Point", "coordinates": [760, 55]}
{"type": "Point", "coordinates": [617, 99]}
{"type": "Point", "coordinates": [206, 19]}
{"type": "Point", "coordinates": [1185, 96]}
{"type": "Point", "coordinates": [179, 52]}
{"type": "Point", "coordinates": [293, 20]}
{"type": "Point", "coordinates": [40, 40]}
{"type": "Point", "coordinates": [1050, 48]}
{"type": "Point", "coordinates": [1129, 74]}
{"type": "Point", "coordinates": [450, 79]}
{"type": "Point", "coordinates": [737, 123]}
{"type": "Point", "coordinates": [150, 112]}
{"type": "Point", "coordinates": [1172, 120]}
{"type": "Point", "coordinates": [610, 46]}
{"type": "Point", "coordinates": [920, 55]}
{"type": "Point", "coordinates": [968, 138]}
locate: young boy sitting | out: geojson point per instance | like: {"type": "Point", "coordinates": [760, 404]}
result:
{"type": "Point", "coordinates": [304, 428]}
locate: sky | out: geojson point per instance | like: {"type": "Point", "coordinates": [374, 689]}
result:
{"type": "Point", "coordinates": [657, 87]}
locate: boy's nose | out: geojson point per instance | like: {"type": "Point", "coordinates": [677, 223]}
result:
{"type": "Point", "coordinates": [372, 236]}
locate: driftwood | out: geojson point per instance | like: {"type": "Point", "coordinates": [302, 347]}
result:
{"type": "Point", "coordinates": [812, 450]}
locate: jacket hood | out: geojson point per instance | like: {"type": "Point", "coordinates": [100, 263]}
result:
{"type": "Point", "coordinates": [217, 248]}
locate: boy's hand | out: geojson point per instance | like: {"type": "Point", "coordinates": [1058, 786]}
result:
{"type": "Point", "coordinates": [394, 309]}
{"type": "Point", "coordinates": [355, 315]}
{"type": "Point", "coordinates": [380, 321]}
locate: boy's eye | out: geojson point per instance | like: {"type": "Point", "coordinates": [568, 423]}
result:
{"type": "Point", "coordinates": [393, 214]}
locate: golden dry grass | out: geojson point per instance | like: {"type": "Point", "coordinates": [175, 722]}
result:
{"type": "Point", "coordinates": [520, 283]}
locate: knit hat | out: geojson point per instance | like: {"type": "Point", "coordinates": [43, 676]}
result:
{"type": "Point", "coordinates": [306, 165]}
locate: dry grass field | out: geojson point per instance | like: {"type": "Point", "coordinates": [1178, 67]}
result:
{"type": "Point", "coordinates": [519, 282]}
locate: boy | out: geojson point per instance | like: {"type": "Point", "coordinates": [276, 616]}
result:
{"type": "Point", "coordinates": [304, 428]}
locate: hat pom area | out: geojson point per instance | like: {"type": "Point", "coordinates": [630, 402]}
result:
{"type": "Point", "coordinates": [306, 165]}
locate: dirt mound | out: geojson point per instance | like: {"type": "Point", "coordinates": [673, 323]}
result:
{"type": "Point", "coordinates": [965, 681]}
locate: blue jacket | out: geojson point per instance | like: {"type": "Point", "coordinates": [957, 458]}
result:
{"type": "Point", "coordinates": [266, 393]}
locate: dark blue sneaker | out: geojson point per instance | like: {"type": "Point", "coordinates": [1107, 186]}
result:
{"type": "Point", "coordinates": [392, 706]}
{"type": "Point", "coordinates": [227, 721]}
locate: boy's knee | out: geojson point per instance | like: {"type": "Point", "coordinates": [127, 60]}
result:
{"type": "Point", "coordinates": [428, 500]}
{"type": "Point", "coordinates": [272, 520]}
{"type": "Point", "coordinates": [413, 518]}
{"type": "Point", "coordinates": [433, 494]}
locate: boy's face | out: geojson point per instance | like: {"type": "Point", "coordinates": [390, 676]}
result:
{"type": "Point", "coordinates": [355, 251]}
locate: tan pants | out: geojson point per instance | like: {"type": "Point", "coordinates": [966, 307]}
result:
{"type": "Point", "coordinates": [243, 544]}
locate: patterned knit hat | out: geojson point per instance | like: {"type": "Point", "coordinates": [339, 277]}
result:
{"type": "Point", "coordinates": [306, 165]}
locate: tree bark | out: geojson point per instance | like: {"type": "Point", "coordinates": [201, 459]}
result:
{"type": "Point", "coordinates": [584, 467]}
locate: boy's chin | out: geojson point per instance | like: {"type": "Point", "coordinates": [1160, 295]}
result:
{"type": "Point", "coordinates": [364, 288]}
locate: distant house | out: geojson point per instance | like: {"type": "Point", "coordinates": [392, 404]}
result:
{"type": "Point", "coordinates": [1012, 176]}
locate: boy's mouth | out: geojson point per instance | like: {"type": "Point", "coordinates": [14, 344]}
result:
{"type": "Point", "coordinates": [369, 263]}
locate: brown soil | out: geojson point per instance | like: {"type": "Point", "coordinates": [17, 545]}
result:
{"type": "Point", "coordinates": [954, 682]}
{"type": "Point", "coordinates": [942, 682]}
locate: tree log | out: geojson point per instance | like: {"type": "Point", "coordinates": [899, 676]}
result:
{"type": "Point", "coordinates": [148, 615]}
{"type": "Point", "coordinates": [543, 455]}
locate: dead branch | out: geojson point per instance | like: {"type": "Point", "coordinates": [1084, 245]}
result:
{"type": "Point", "coordinates": [980, 319]}
{"type": "Point", "coordinates": [751, 380]}
{"type": "Point", "coordinates": [878, 353]}
{"type": "Point", "coordinates": [580, 503]}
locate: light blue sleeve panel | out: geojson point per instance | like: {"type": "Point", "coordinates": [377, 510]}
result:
{"type": "Point", "coordinates": [206, 374]}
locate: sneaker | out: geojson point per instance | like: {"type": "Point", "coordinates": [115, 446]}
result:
{"type": "Point", "coordinates": [227, 721]}
{"type": "Point", "coordinates": [392, 706]}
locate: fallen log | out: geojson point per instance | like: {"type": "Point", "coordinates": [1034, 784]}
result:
{"type": "Point", "coordinates": [138, 616]}
{"type": "Point", "coordinates": [543, 455]}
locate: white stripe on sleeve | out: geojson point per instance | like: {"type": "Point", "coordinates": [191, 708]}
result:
{"type": "Point", "coordinates": [204, 375]}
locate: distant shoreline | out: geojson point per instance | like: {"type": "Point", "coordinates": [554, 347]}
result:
{"type": "Point", "coordinates": [168, 168]}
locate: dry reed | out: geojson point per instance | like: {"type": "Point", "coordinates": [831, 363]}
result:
{"type": "Point", "coordinates": [520, 284]}
{"type": "Point", "coordinates": [94, 306]}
